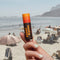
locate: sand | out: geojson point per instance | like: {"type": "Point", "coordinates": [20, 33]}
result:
{"type": "Point", "coordinates": [19, 53]}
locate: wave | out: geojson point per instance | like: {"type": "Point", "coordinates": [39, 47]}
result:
{"type": "Point", "coordinates": [10, 26]}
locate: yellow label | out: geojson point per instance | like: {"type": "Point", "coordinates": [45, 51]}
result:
{"type": "Point", "coordinates": [27, 31]}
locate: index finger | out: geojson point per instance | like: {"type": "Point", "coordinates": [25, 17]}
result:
{"type": "Point", "coordinates": [23, 38]}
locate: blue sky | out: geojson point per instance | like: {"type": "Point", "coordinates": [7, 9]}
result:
{"type": "Point", "coordinates": [18, 7]}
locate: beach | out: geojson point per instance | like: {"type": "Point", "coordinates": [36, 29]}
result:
{"type": "Point", "coordinates": [39, 20]}
{"type": "Point", "coordinates": [18, 52]}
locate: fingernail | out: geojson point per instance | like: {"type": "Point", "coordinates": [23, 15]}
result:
{"type": "Point", "coordinates": [36, 45]}
{"type": "Point", "coordinates": [40, 55]}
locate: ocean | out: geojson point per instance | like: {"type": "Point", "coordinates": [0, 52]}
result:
{"type": "Point", "coordinates": [36, 22]}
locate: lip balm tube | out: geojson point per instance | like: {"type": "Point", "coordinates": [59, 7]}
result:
{"type": "Point", "coordinates": [27, 26]}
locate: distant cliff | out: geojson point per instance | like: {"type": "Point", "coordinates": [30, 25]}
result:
{"type": "Point", "coordinates": [54, 12]}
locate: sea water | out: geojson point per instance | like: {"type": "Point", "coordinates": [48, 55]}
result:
{"type": "Point", "coordinates": [36, 22]}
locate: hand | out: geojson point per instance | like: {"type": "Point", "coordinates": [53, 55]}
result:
{"type": "Point", "coordinates": [34, 51]}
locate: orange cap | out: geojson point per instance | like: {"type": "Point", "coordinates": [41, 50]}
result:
{"type": "Point", "coordinates": [26, 18]}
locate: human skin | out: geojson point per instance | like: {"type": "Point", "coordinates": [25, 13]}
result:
{"type": "Point", "coordinates": [33, 51]}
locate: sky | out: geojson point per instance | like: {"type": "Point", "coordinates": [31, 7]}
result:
{"type": "Point", "coordinates": [18, 7]}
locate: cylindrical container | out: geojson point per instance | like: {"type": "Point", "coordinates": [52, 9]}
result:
{"type": "Point", "coordinates": [27, 26]}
